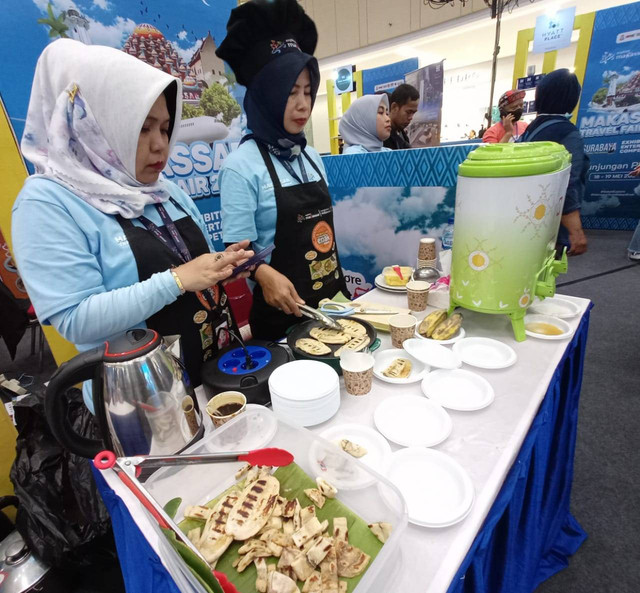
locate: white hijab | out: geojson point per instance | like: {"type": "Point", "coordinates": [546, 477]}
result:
{"type": "Point", "coordinates": [358, 126]}
{"type": "Point", "coordinates": [88, 104]}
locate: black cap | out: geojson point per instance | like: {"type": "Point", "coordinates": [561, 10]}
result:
{"type": "Point", "coordinates": [262, 30]}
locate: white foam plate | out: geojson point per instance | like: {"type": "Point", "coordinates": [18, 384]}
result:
{"type": "Point", "coordinates": [412, 420]}
{"type": "Point", "coordinates": [459, 335]}
{"type": "Point", "coordinates": [458, 390]}
{"type": "Point", "coordinates": [431, 353]}
{"type": "Point", "coordinates": [555, 306]}
{"type": "Point", "coordinates": [340, 473]}
{"type": "Point", "coordinates": [437, 489]}
{"type": "Point", "coordinates": [567, 330]}
{"type": "Point", "coordinates": [386, 357]}
{"type": "Point", "coordinates": [485, 353]}
{"type": "Point", "coordinates": [382, 285]}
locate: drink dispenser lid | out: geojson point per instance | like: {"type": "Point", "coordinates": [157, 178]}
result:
{"type": "Point", "coordinates": [515, 160]}
{"type": "Point", "coordinates": [131, 345]}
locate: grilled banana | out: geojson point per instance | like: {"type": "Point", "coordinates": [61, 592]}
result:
{"type": "Point", "coordinates": [431, 321]}
{"type": "Point", "coordinates": [448, 328]}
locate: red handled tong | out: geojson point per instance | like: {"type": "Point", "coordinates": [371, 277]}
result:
{"type": "Point", "coordinates": [128, 469]}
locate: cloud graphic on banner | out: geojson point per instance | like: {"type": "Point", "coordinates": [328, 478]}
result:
{"type": "Point", "coordinates": [386, 224]}
{"type": "Point", "coordinates": [590, 208]}
{"type": "Point", "coordinates": [112, 35]}
{"type": "Point", "coordinates": [182, 35]}
{"type": "Point", "coordinates": [237, 128]}
{"type": "Point", "coordinates": [186, 53]}
{"type": "Point", "coordinates": [104, 4]}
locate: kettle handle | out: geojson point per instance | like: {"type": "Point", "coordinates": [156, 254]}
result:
{"type": "Point", "coordinates": [82, 367]}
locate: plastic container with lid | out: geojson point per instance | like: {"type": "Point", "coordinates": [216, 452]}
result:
{"type": "Point", "coordinates": [378, 500]}
{"type": "Point", "coordinates": [509, 201]}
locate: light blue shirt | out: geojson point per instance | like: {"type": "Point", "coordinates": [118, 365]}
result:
{"type": "Point", "coordinates": [359, 149]}
{"type": "Point", "coordinates": [248, 200]}
{"type": "Point", "coordinates": [78, 268]}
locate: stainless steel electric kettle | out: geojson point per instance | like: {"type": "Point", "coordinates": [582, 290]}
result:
{"type": "Point", "coordinates": [138, 392]}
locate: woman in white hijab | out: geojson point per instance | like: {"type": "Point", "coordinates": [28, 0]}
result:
{"type": "Point", "coordinates": [103, 242]}
{"type": "Point", "coordinates": [366, 124]}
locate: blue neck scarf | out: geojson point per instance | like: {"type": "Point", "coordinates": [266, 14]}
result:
{"type": "Point", "coordinates": [266, 100]}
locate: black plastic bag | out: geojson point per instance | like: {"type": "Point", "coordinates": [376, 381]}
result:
{"type": "Point", "coordinates": [61, 515]}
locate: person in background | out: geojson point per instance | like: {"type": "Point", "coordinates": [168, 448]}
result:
{"type": "Point", "coordinates": [472, 135]}
{"type": "Point", "coordinates": [481, 131]}
{"type": "Point", "coordinates": [403, 106]}
{"type": "Point", "coordinates": [557, 96]}
{"type": "Point", "coordinates": [633, 251]}
{"type": "Point", "coordinates": [366, 125]}
{"type": "Point", "coordinates": [104, 243]}
{"type": "Point", "coordinates": [510, 127]}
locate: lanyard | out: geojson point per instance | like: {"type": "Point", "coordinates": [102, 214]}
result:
{"type": "Point", "coordinates": [177, 244]}
{"type": "Point", "coordinates": [291, 171]}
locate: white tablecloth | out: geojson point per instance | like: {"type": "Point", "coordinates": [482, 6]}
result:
{"type": "Point", "coordinates": [485, 442]}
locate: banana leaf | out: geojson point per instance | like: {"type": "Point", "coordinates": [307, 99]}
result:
{"type": "Point", "coordinates": [293, 482]}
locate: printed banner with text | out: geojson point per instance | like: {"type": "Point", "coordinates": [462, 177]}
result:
{"type": "Point", "coordinates": [609, 118]}
{"type": "Point", "coordinates": [179, 38]}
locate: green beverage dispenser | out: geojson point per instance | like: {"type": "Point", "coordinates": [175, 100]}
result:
{"type": "Point", "coordinates": [509, 203]}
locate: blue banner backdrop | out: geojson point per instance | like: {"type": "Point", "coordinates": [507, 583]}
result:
{"type": "Point", "coordinates": [177, 37]}
{"type": "Point", "coordinates": [609, 120]}
{"type": "Point", "coordinates": [386, 78]}
{"type": "Point", "coordinates": [385, 202]}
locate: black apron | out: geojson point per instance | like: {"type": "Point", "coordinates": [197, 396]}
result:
{"type": "Point", "coordinates": [199, 321]}
{"type": "Point", "coordinates": [305, 252]}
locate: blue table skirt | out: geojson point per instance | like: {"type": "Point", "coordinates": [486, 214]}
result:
{"type": "Point", "coordinates": [527, 537]}
{"type": "Point", "coordinates": [530, 532]}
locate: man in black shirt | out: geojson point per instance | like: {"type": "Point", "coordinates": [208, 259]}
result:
{"type": "Point", "coordinates": [403, 106]}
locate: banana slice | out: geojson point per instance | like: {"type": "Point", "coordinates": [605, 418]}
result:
{"type": "Point", "coordinates": [352, 448]}
{"type": "Point", "coordinates": [313, 347]}
{"type": "Point", "coordinates": [381, 530]}
{"type": "Point", "coordinates": [353, 328]}
{"type": "Point", "coordinates": [356, 345]}
{"type": "Point", "coordinates": [329, 336]}
{"type": "Point", "coordinates": [253, 508]}
{"type": "Point", "coordinates": [400, 368]}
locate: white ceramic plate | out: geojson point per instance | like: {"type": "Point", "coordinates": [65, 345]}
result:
{"type": "Point", "coordinates": [437, 489]}
{"type": "Point", "coordinates": [386, 357]}
{"type": "Point", "coordinates": [458, 390]}
{"type": "Point", "coordinates": [431, 353]}
{"type": "Point", "coordinates": [382, 285]}
{"type": "Point", "coordinates": [460, 334]}
{"type": "Point", "coordinates": [412, 420]}
{"type": "Point", "coordinates": [343, 475]}
{"type": "Point", "coordinates": [555, 306]}
{"type": "Point", "coordinates": [485, 353]}
{"type": "Point", "coordinates": [567, 330]}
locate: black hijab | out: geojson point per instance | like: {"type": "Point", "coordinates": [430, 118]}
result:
{"type": "Point", "coordinates": [268, 44]}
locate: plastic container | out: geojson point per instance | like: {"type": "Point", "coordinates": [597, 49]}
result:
{"type": "Point", "coordinates": [378, 500]}
{"type": "Point", "coordinates": [446, 238]}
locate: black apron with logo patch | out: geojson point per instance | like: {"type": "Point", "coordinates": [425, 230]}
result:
{"type": "Point", "coordinates": [191, 315]}
{"type": "Point", "coordinates": [305, 252]}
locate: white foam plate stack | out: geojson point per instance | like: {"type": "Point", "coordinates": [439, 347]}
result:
{"type": "Point", "coordinates": [305, 392]}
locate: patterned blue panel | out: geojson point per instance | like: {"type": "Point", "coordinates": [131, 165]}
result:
{"type": "Point", "coordinates": [422, 167]}
{"type": "Point", "coordinates": [609, 223]}
{"type": "Point", "coordinates": [615, 17]}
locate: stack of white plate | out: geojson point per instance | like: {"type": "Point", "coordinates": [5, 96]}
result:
{"type": "Point", "coordinates": [305, 392]}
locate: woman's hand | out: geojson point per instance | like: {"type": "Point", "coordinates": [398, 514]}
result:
{"type": "Point", "coordinates": [209, 269]}
{"type": "Point", "coordinates": [577, 238]}
{"type": "Point", "coordinates": [278, 290]}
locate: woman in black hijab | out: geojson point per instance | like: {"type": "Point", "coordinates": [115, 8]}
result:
{"type": "Point", "coordinates": [557, 96]}
{"type": "Point", "coordinates": [273, 187]}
